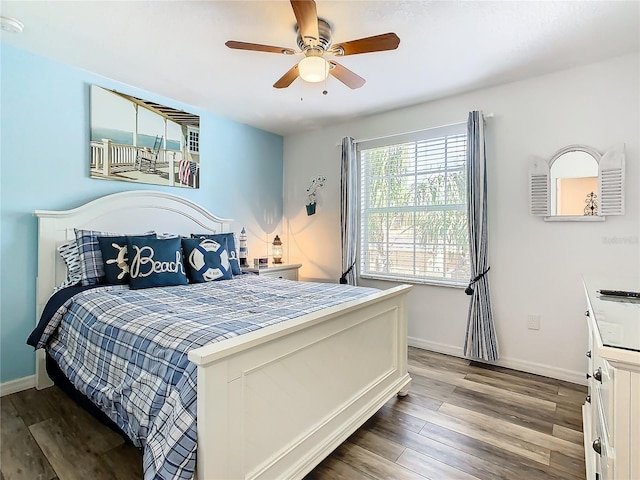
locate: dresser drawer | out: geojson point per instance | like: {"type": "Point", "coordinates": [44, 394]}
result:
{"type": "Point", "coordinates": [604, 394]}
{"type": "Point", "coordinates": [590, 455]}
{"type": "Point", "coordinates": [286, 271]}
{"type": "Point", "coordinates": [604, 459]}
{"type": "Point", "coordinates": [286, 274]}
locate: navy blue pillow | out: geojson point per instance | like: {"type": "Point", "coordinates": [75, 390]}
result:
{"type": "Point", "coordinates": [114, 256]}
{"type": "Point", "coordinates": [206, 259]}
{"type": "Point", "coordinates": [231, 247]}
{"type": "Point", "coordinates": [155, 262]}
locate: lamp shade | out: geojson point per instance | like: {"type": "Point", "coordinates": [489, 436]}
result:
{"type": "Point", "coordinates": [313, 69]}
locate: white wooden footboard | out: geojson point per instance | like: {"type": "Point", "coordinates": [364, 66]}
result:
{"type": "Point", "coordinates": [272, 404]}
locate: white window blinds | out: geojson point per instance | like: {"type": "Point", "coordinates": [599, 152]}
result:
{"type": "Point", "coordinates": [413, 207]}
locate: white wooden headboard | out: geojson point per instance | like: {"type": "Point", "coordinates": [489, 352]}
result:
{"type": "Point", "coordinates": [135, 211]}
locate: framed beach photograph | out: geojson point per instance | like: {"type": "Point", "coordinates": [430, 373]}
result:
{"type": "Point", "coordinates": [136, 140]}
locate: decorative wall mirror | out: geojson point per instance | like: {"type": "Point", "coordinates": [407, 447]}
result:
{"type": "Point", "coordinates": [578, 184]}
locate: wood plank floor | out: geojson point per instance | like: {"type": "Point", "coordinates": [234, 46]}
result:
{"type": "Point", "coordinates": [461, 420]}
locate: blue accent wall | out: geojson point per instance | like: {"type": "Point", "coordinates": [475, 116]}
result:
{"type": "Point", "coordinates": [45, 165]}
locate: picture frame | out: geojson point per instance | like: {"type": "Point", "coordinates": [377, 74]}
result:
{"type": "Point", "coordinates": [137, 140]}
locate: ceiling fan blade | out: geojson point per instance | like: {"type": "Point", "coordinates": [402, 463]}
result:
{"type": "Point", "coordinates": [288, 78]}
{"type": "Point", "coordinates": [307, 18]}
{"type": "Point", "coordinates": [258, 48]}
{"type": "Point", "coordinates": [346, 76]}
{"type": "Point", "coordinates": [377, 43]}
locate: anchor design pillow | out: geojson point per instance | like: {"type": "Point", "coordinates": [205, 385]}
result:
{"type": "Point", "coordinates": [155, 262]}
{"type": "Point", "coordinates": [207, 260]}
{"type": "Point", "coordinates": [115, 259]}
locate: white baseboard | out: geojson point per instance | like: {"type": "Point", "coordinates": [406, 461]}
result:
{"type": "Point", "coordinates": [513, 363]}
{"type": "Point", "coordinates": [544, 370]}
{"type": "Point", "coordinates": [436, 347]}
{"type": "Point", "coordinates": [17, 385]}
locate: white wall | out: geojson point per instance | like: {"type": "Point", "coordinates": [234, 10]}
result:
{"type": "Point", "coordinates": [536, 266]}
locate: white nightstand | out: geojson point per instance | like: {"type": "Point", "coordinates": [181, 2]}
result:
{"type": "Point", "coordinates": [282, 270]}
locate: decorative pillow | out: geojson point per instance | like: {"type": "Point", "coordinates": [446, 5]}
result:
{"type": "Point", "coordinates": [155, 262]}
{"type": "Point", "coordinates": [91, 255]}
{"type": "Point", "coordinates": [206, 259]}
{"type": "Point", "coordinates": [231, 247]}
{"type": "Point", "coordinates": [114, 256]}
{"type": "Point", "coordinates": [69, 253]}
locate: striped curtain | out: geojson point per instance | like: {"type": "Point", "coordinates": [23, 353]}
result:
{"type": "Point", "coordinates": [481, 341]}
{"type": "Point", "coordinates": [348, 211]}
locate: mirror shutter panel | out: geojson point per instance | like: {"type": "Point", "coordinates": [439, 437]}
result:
{"type": "Point", "coordinates": [611, 182]}
{"type": "Point", "coordinates": [539, 187]}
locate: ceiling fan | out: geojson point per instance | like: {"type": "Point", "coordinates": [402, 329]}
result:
{"type": "Point", "coordinates": [314, 41]}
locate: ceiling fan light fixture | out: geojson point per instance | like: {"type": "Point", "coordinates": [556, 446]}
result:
{"type": "Point", "coordinates": [313, 69]}
{"type": "Point", "coordinates": [314, 41]}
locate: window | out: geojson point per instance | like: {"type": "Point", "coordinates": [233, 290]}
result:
{"type": "Point", "coordinates": [413, 217]}
{"type": "Point", "coordinates": [193, 140]}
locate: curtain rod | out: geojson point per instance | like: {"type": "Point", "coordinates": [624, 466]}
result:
{"type": "Point", "coordinates": [488, 115]}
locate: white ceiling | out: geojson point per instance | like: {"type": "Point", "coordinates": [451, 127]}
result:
{"type": "Point", "coordinates": [176, 49]}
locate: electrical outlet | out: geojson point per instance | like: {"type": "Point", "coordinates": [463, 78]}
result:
{"type": "Point", "coordinates": [533, 322]}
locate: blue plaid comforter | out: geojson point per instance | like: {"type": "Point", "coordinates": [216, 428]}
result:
{"type": "Point", "coordinates": [127, 351]}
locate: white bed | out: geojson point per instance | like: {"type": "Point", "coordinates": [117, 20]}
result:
{"type": "Point", "coordinates": [270, 421]}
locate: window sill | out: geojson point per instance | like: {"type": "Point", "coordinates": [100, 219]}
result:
{"type": "Point", "coordinates": [414, 281]}
{"type": "Point", "coordinates": [575, 218]}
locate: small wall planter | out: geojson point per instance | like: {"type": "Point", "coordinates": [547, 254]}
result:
{"type": "Point", "coordinates": [311, 209]}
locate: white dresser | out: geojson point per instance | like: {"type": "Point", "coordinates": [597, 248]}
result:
{"type": "Point", "coordinates": [278, 270]}
{"type": "Point", "coordinates": [611, 413]}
